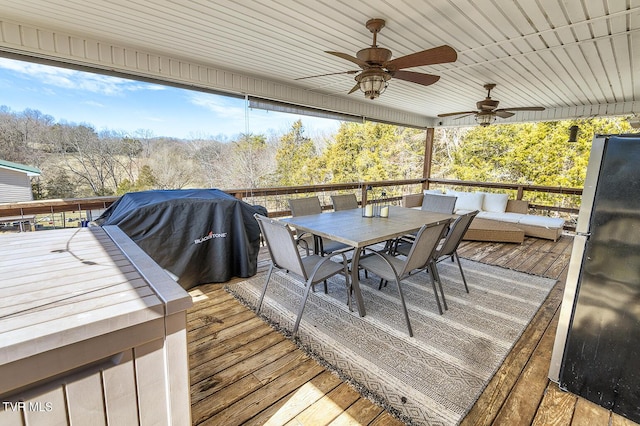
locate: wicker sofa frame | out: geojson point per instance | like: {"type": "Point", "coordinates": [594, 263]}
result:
{"type": "Point", "coordinates": [513, 206]}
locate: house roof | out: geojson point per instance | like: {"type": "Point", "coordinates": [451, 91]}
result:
{"type": "Point", "coordinates": [575, 58]}
{"type": "Point", "coordinates": [30, 171]}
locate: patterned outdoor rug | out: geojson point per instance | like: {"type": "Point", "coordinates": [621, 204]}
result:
{"type": "Point", "coordinates": [434, 377]}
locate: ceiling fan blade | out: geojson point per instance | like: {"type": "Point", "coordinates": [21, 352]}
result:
{"type": "Point", "coordinates": [504, 114]}
{"type": "Point", "coordinates": [522, 109]}
{"type": "Point", "coordinates": [449, 114]}
{"type": "Point", "coordinates": [466, 115]}
{"type": "Point", "coordinates": [361, 64]}
{"type": "Point", "coordinates": [437, 55]}
{"type": "Point", "coordinates": [331, 73]}
{"type": "Point", "coordinates": [416, 77]}
{"type": "Point", "coordinates": [354, 89]}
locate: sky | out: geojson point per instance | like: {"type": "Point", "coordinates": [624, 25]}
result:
{"type": "Point", "coordinates": [118, 104]}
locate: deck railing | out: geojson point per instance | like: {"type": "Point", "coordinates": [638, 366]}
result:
{"type": "Point", "coordinates": [548, 199]}
{"type": "Point", "coordinates": [545, 200]}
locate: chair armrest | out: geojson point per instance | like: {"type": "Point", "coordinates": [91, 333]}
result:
{"type": "Point", "coordinates": [518, 206]}
{"type": "Point", "coordinates": [412, 200]}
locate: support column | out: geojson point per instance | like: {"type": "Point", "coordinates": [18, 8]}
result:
{"type": "Point", "coordinates": [428, 152]}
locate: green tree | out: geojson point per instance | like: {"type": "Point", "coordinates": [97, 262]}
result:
{"type": "Point", "coordinates": [59, 185]}
{"type": "Point", "coordinates": [250, 161]}
{"type": "Point", "coordinates": [364, 152]}
{"type": "Point", "coordinates": [296, 158]}
{"type": "Point", "coordinates": [146, 180]}
{"type": "Point", "coordinates": [531, 153]}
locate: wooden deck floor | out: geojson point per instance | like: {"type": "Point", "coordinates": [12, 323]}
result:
{"type": "Point", "coordinates": [244, 372]}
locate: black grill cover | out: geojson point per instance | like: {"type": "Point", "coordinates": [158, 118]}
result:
{"type": "Point", "coordinates": [199, 235]}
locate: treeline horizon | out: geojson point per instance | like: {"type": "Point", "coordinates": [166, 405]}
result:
{"type": "Point", "coordinates": [78, 161]}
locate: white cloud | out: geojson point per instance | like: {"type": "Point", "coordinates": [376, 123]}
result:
{"type": "Point", "coordinates": [219, 105]}
{"type": "Point", "coordinates": [77, 80]}
{"type": "Point", "coordinates": [94, 104]}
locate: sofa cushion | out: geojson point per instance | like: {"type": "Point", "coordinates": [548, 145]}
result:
{"type": "Point", "coordinates": [432, 191]}
{"type": "Point", "coordinates": [468, 201]}
{"type": "Point", "coordinates": [544, 221]}
{"type": "Point", "coordinates": [503, 217]}
{"type": "Point", "coordinates": [496, 203]}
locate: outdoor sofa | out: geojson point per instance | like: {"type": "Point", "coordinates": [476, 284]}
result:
{"type": "Point", "coordinates": [499, 219]}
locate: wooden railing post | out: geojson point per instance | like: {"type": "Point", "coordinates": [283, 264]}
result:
{"type": "Point", "coordinates": [428, 154]}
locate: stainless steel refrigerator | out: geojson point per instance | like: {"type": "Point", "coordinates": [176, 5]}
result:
{"type": "Point", "coordinates": [597, 348]}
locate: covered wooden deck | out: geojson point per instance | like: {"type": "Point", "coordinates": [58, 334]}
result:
{"type": "Point", "coordinates": [244, 372]}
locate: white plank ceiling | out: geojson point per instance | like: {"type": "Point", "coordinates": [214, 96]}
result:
{"type": "Point", "coordinates": [576, 58]}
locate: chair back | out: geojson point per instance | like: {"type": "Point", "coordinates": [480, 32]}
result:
{"type": "Point", "coordinates": [344, 202]}
{"type": "Point", "coordinates": [281, 244]}
{"type": "Point", "coordinates": [424, 247]}
{"type": "Point", "coordinates": [456, 232]}
{"type": "Point", "coordinates": [438, 203]}
{"type": "Point", "coordinates": [305, 206]}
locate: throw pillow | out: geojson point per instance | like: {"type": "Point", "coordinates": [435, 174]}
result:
{"type": "Point", "coordinates": [496, 203]}
{"type": "Point", "coordinates": [468, 201]}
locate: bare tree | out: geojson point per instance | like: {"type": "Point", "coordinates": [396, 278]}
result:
{"type": "Point", "coordinates": [127, 153]}
{"type": "Point", "coordinates": [24, 137]}
{"type": "Point", "coordinates": [172, 166]}
{"type": "Point", "coordinates": [251, 161]}
{"type": "Point", "coordinates": [91, 159]}
{"type": "Point", "coordinates": [209, 158]}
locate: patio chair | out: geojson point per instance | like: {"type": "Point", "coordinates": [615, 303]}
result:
{"type": "Point", "coordinates": [286, 256]}
{"type": "Point", "coordinates": [419, 258]}
{"type": "Point", "coordinates": [311, 205]}
{"type": "Point", "coordinates": [344, 202]}
{"type": "Point", "coordinates": [449, 247]}
{"type": "Point", "coordinates": [438, 203]}
{"type": "Point", "coordinates": [435, 203]}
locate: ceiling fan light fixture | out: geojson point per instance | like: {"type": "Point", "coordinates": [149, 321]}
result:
{"type": "Point", "coordinates": [373, 82]}
{"type": "Point", "coordinates": [484, 119]}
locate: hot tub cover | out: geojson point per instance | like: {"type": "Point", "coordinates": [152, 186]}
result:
{"type": "Point", "coordinates": [199, 235]}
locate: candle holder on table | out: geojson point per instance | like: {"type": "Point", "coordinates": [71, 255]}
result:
{"type": "Point", "coordinates": [383, 205]}
{"type": "Point", "coordinates": [369, 209]}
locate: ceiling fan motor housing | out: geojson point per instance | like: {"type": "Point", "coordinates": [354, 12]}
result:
{"type": "Point", "coordinates": [374, 55]}
{"type": "Point", "coordinates": [487, 104]}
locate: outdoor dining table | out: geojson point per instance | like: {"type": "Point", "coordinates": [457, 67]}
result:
{"type": "Point", "coordinates": [350, 227]}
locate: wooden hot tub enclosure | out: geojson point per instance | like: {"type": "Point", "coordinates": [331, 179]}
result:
{"type": "Point", "coordinates": [91, 331]}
